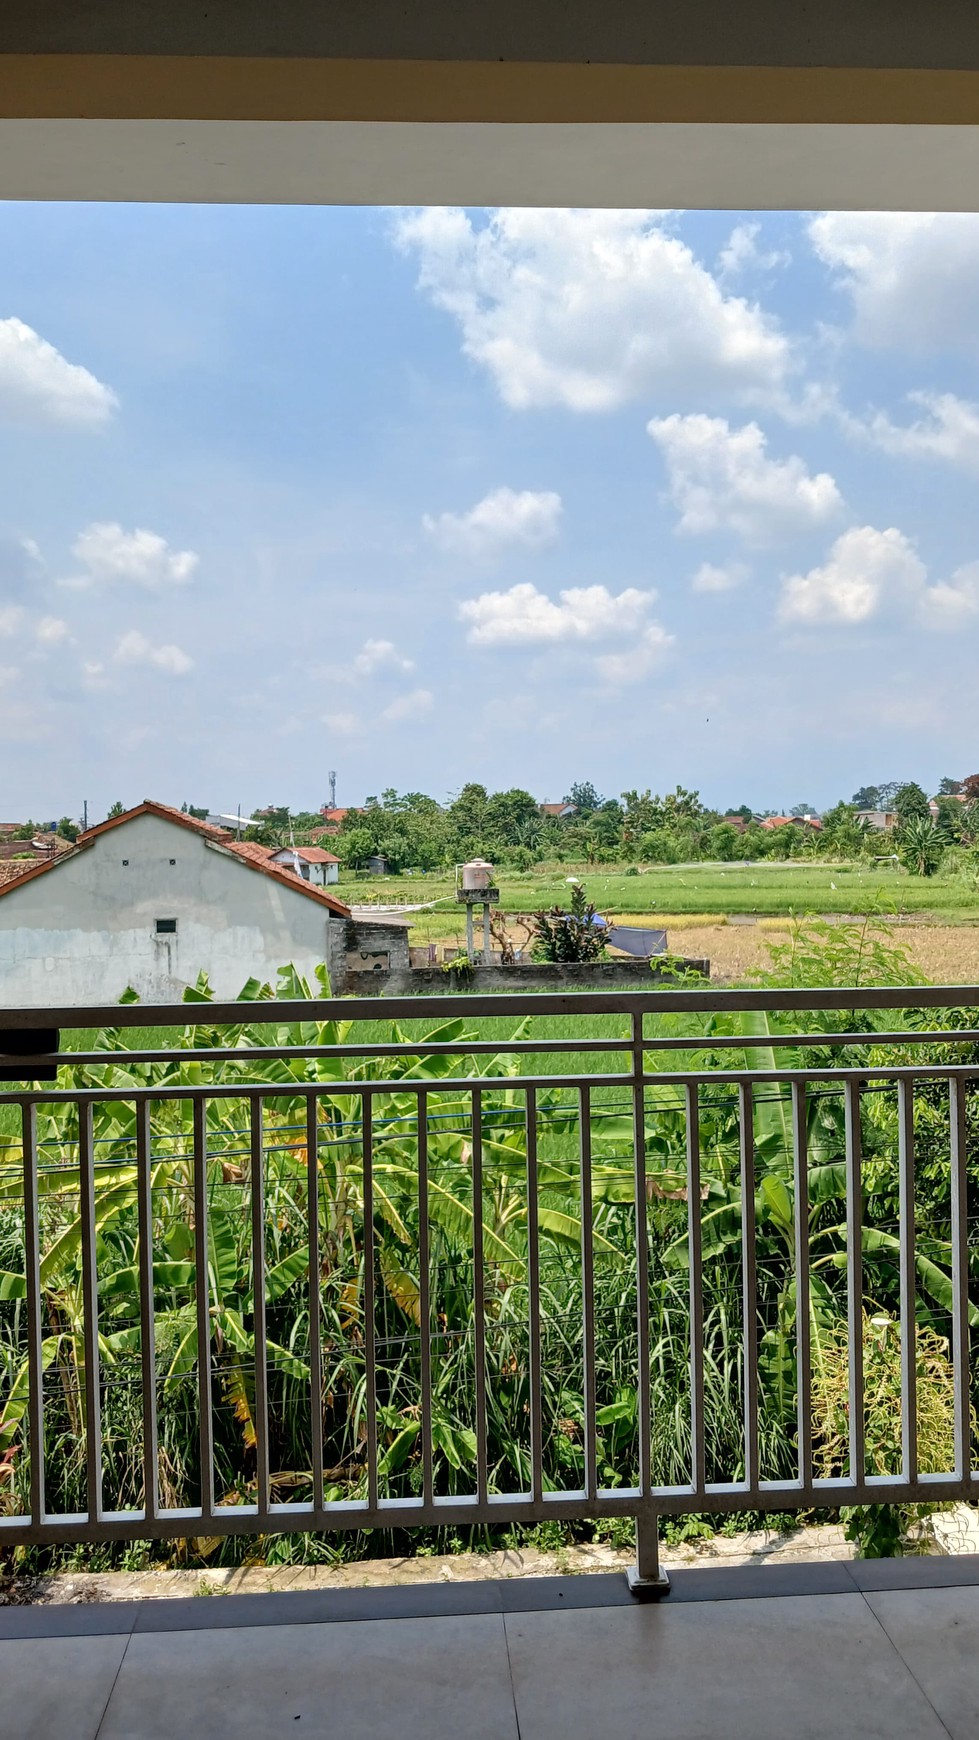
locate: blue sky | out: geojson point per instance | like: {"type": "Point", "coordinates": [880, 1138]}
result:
{"type": "Point", "coordinates": [519, 496]}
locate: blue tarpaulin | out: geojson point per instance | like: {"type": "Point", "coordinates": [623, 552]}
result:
{"type": "Point", "coordinates": [635, 941]}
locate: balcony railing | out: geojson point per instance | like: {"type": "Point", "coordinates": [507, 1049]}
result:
{"type": "Point", "coordinates": [484, 1261]}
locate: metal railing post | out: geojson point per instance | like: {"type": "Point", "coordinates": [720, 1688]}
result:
{"type": "Point", "coordinates": [647, 1579]}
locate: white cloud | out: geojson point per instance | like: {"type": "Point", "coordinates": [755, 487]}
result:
{"type": "Point", "coordinates": [871, 574]}
{"type": "Point", "coordinates": [913, 276]}
{"type": "Point", "coordinates": [109, 554]}
{"type": "Point", "coordinates": [504, 518]}
{"type": "Point", "coordinates": [11, 619]}
{"type": "Point", "coordinates": [413, 706]}
{"type": "Point", "coordinates": [376, 655]}
{"type": "Point", "coordinates": [712, 578]}
{"type": "Point", "coordinates": [590, 309]}
{"type": "Point", "coordinates": [866, 570]}
{"type": "Point", "coordinates": [741, 253]}
{"type": "Point", "coordinates": [22, 570]}
{"type": "Point", "coordinates": [722, 480]}
{"type": "Point", "coordinates": [951, 603]}
{"type": "Point", "coordinates": [525, 617]}
{"type": "Point", "coordinates": [949, 430]}
{"type": "Point", "coordinates": [344, 724]}
{"type": "Point", "coordinates": [644, 656]}
{"type": "Point", "coordinates": [50, 630]}
{"type": "Point", "coordinates": [135, 648]}
{"type": "Point", "coordinates": [38, 385]}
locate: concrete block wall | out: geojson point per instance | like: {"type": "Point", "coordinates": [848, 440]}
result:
{"type": "Point", "coordinates": [527, 976]}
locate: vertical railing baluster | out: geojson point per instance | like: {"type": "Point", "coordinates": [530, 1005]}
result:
{"type": "Point", "coordinates": [35, 1330]}
{"type": "Point", "coordinates": [646, 1576]}
{"type": "Point", "coordinates": [854, 1277]}
{"type": "Point", "coordinates": [370, 1350]}
{"type": "Point", "coordinates": [203, 1291]}
{"type": "Point", "coordinates": [589, 1388]}
{"type": "Point", "coordinates": [698, 1472]}
{"type": "Point", "coordinates": [147, 1308]}
{"type": "Point", "coordinates": [642, 1258]}
{"type": "Point", "coordinates": [533, 1301]}
{"type": "Point", "coordinates": [960, 1281]}
{"type": "Point", "coordinates": [908, 1288]}
{"type": "Point", "coordinates": [315, 1326]}
{"type": "Point", "coordinates": [90, 1297]}
{"type": "Point", "coordinates": [258, 1287]}
{"type": "Point", "coordinates": [803, 1320]}
{"type": "Point", "coordinates": [425, 1304]}
{"type": "Point", "coordinates": [749, 1284]}
{"type": "Point", "coordinates": [479, 1300]}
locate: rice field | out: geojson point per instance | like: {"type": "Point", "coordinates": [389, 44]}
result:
{"type": "Point", "coordinates": [772, 890]}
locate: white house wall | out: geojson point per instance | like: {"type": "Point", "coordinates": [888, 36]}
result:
{"type": "Point", "coordinates": [83, 932]}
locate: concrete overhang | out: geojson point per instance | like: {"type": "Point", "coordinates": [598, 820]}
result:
{"type": "Point", "coordinates": [673, 104]}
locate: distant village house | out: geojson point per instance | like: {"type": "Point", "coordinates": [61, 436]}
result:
{"type": "Point", "coordinates": [151, 898]}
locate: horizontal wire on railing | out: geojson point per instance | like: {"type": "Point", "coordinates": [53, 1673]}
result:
{"type": "Point", "coordinates": [499, 1118]}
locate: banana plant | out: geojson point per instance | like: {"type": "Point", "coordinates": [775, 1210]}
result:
{"type": "Point", "coordinates": [341, 1204]}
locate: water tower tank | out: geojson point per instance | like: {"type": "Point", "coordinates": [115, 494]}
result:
{"type": "Point", "coordinates": [476, 876]}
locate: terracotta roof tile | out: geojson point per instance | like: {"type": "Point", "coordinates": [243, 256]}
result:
{"type": "Point", "coordinates": [251, 849]}
{"type": "Point", "coordinates": [311, 854]}
{"type": "Point", "coordinates": [167, 813]}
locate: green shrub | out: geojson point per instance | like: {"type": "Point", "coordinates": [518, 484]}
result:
{"type": "Point", "coordinates": [881, 1530]}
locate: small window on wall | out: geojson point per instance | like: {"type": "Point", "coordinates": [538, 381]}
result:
{"type": "Point", "coordinates": [166, 926]}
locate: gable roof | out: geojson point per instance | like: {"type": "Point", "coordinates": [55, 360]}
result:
{"type": "Point", "coordinates": [166, 813]}
{"type": "Point", "coordinates": [246, 851]}
{"type": "Point", "coordinates": [311, 854]}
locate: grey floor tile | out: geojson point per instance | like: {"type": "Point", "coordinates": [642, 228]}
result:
{"type": "Point", "coordinates": [809, 1667]}
{"type": "Point", "coordinates": [68, 1619]}
{"type": "Point", "coordinates": [533, 1594]}
{"type": "Point", "coordinates": [317, 1606]}
{"type": "Point", "coordinates": [419, 1679]}
{"type": "Point", "coordinates": [927, 1571]}
{"type": "Point", "coordinates": [56, 1688]}
{"type": "Point", "coordinates": [749, 1582]}
{"type": "Point", "coordinates": [937, 1633]}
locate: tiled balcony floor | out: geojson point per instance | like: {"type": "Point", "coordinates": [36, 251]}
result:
{"type": "Point", "coordinates": [885, 1651]}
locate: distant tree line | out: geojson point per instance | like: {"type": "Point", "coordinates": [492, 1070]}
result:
{"type": "Point", "coordinates": [411, 830]}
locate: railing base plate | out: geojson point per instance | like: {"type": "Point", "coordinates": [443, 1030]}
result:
{"type": "Point", "coordinates": [647, 1588]}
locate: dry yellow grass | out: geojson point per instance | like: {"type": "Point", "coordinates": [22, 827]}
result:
{"type": "Point", "coordinates": [946, 954]}
{"type": "Point", "coordinates": [671, 920]}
